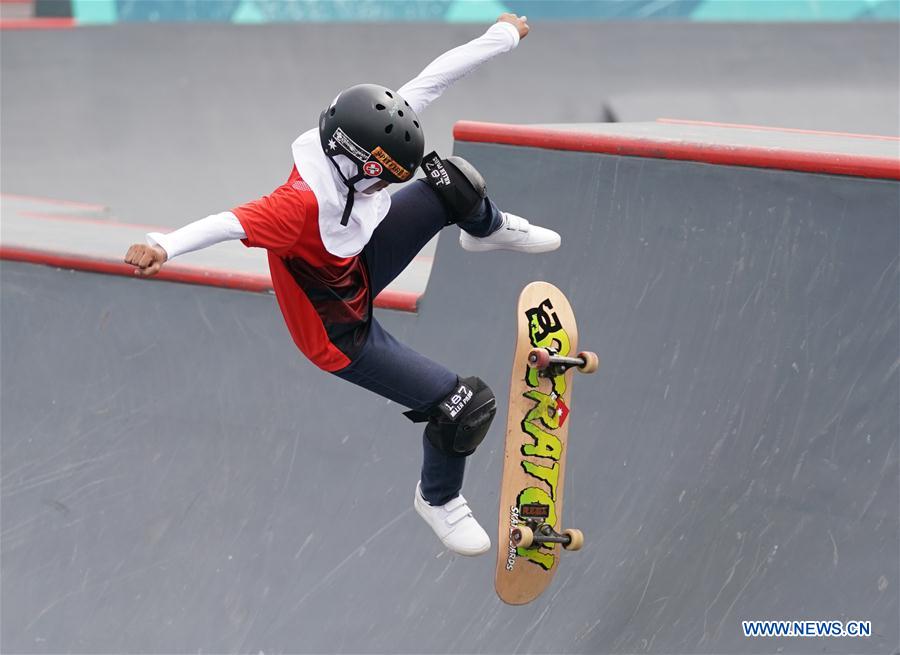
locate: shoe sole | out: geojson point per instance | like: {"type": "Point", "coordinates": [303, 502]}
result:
{"type": "Point", "coordinates": [475, 246]}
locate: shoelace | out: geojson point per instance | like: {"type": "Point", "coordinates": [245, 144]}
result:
{"type": "Point", "coordinates": [457, 509]}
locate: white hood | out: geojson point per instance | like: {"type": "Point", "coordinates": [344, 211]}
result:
{"type": "Point", "coordinates": [331, 193]}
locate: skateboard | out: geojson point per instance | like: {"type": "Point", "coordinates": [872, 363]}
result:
{"type": "Point", "coordinates": [540, 403]}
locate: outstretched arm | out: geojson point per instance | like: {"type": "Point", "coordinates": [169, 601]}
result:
{"type": "Point", "coordinates": [502, 36]}
{"type": "Point", "coordinates": [148, 258]}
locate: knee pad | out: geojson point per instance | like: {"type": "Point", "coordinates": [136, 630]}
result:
{"type": "Point", "coordinates": [458, 184]}
{"type": "Point", "coordinates": [459, 423]}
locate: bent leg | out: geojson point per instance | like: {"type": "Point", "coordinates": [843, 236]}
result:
{"type": "Point", "coordinates": [397, 372]}
{"type": "Point", "coordinates": [415, 217]}
{"type": "Point", "coordinates": [483, 222]}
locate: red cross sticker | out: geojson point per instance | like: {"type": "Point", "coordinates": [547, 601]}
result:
{"type": "Point", "coordinates": [372, 169]}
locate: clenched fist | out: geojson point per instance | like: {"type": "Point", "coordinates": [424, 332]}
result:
{"type": "Point", "coordinates": [147, 259]}
{"type": "Point", "coordinates": [520, 24]}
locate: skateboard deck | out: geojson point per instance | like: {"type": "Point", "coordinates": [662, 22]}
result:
{"type": "Point", "coordinates": [540, 402]}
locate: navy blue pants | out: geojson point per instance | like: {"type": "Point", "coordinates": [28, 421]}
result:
{"type": "Point", "coordinates": [390, 368]}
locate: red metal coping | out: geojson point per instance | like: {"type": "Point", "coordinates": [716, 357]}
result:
{"type": "Point", "coordinates": [37, 23]}
{"type": "Point", "coordinates": [710, 153]}
{"type": "Point", "coordinates": [398, 300]}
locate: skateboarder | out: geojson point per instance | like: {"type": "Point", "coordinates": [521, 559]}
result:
{"type": "Point", "coordinates": [335, 238]}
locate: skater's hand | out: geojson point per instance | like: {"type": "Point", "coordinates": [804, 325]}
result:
{"type": "Point", "coordinates": [147, 259]}
{"type": "Point", "coordinates": [520, 24]}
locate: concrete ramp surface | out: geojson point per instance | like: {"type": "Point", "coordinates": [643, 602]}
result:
{"type": "Point", "coordinates": [176, 478]}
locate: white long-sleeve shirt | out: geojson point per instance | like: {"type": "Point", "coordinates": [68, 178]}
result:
{"type": "Point", "coordinates": [318, 172]}
{"type": "Point", "coordinates": [455, 64]}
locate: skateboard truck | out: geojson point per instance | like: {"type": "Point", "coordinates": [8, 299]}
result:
{"type": "Point", "coordinates": [535, 531]}
{"type": "Point", "coordinates": [551, 364]}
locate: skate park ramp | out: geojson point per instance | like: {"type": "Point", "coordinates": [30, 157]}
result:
{"type": "Point", "coordinates": [177, 478]}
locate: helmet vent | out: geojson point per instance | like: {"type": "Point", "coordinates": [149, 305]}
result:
{"type": "Point", "coordinates": [333, 109]}
{"type": "Point", "coordinates": [416, 123]}
{"type": "Point", "coordinates": [389, 94]}
{"type": "Point", "coordinates": [380, 107]}
{"type": "Point", "coordinates": [407, 104]}
{"type": "Point", "coordinates": [408, 137]}
{"type": "Point", "coordinates": [389, 128]}
{"type": "Point", "coordinates": [400, 113]}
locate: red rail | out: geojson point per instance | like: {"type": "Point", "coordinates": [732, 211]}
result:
{"type": "Point", "coordinates": [662, 148]}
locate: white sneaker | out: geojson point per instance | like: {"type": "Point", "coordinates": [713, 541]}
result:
{"type": "Point", "coordinates": [454, 525]}
{"type": "Point", "coordinates": [515, 233]}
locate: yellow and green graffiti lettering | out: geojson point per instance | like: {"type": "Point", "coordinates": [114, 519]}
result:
{"type": "Point", "coordinates": [549, 474]}
{"type": "Point", "coordinates": [545, 331]}
{"type": "Point", "coordinates": [536, 555]}
{"type": "Point", "coordinates": [546, 410]}
{"type": "Point", "coordinates": [537, 496]}
{"type": "Point", "coordinates": [545, 444]}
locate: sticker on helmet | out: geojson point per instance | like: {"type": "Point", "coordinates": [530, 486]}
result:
{"type": "Point", "coordinates": [350, 146]}
{"type": "Point", "coordinates": [390, 164]}
{"type": "Point", "coordinates": [372, 169]}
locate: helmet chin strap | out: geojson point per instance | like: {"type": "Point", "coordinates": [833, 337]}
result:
{"type": "Point", "coordinates": [351, 189]}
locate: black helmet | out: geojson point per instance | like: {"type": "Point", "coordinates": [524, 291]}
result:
{"type": "Point", "coordinates": [375, 128]}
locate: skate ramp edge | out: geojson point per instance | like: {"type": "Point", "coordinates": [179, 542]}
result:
{"type": "Point", "coordinates": [860, 155]}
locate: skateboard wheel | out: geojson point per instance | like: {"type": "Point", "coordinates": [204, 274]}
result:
{"type": "Point", "coordinates": [591, 361]}
{"type": "Point", "coordinates": [538, 358]}
{"type": "Point", "coordinates": [522, 536]}
{"type": "Point", "coordinates": [576, 539]}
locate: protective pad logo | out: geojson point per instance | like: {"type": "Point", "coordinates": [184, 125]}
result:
{"type": "Point", "coordinates": [434, 169]}
{"type": "Point", "coordinates": [452, 406]}
{"type": "Point", "coordinates": [350, 146]}
{"type": "Point", "coordinates": [390, 164]}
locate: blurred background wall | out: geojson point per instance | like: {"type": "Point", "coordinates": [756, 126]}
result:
{"type": "Point", "coordinates": [168, 110]}
{"type": "Point", "coordinates": [254, 11]}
